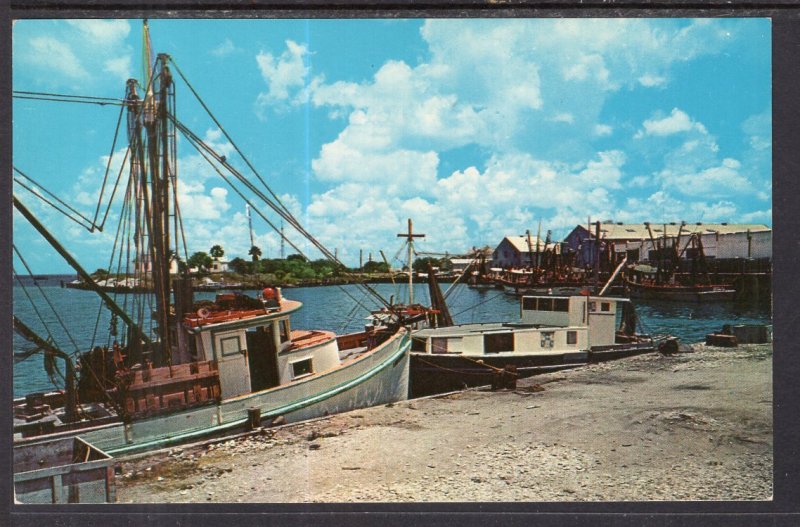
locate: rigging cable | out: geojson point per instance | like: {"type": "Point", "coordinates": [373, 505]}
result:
{"type": "Point", "coordinates": [47, 299]}
{"type": "Point", "coordinates": [277, 205]}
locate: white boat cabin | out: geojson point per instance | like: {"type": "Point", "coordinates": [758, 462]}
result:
{"type": "Point", "coordinates": [548, 324]}
{"type": "Point", "coordinates": [257, 353]}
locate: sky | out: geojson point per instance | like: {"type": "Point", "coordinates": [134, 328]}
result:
{"type": "Point", "coordinates": [473, 128]}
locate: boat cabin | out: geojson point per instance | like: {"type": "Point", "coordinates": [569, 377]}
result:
{"type": "Point", "coordinates": [260, 352]}
{"type": "Point", "coordinates": [548, 324]}
{"type": "Point", "coordinates": [598, 313]}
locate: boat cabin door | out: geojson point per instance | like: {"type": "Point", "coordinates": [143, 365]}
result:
{"type": "Point", "coordinates": [230, 351]}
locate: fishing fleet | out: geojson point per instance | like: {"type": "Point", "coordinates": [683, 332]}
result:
{"type": "Point", "coordinates": [172, 368]}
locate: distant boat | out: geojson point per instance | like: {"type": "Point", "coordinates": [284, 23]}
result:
{"type": "Point", "coordinates": [682, 293]}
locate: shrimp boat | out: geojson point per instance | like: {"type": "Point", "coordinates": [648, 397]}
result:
{"type": "Point", "coordinates": [553, 332]}
{"type": "Point", "coordinates": [667, 282]}
{"type": "Point", "coordinates": [207, 368]}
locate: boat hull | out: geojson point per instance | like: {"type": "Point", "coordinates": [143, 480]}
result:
{"type": "Point", "coordinates": [682, 294]}
{"type": "Point", "coordinates": [433, 373]}
{"type": "Point", "coordinates": [378, 377]}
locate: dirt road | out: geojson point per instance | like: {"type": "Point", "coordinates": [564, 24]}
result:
{"type": "Point", "coordinates": [695, 426]}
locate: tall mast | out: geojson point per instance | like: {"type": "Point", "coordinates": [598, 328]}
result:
{"type": "Point", "coordinates": [152, 138]}
{"type": "Point", "coordinates": [250, 225]}
{"type": "Point", "coordinates": [409, 236]}
{"type": "Point", "coordinates": [283, 240]}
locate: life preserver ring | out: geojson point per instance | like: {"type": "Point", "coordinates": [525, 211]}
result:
{"type": "Point", "coordinates": [203, 312]}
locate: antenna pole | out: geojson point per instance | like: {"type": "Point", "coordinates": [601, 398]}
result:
{"type": "Point", "coordinates": [409, 236]}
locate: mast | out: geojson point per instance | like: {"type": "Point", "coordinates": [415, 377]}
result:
{"type": "Point", "coordinates": [409, 236]}
{"type": "Point", "coordinates": [250, 225]}
{"type": "Point", "coordinates": [442, 318]}
{"type": "Point", "coordinates": [159, 135]}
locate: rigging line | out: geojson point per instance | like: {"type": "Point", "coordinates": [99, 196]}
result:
{"type": "Point", "coordinates": [33, 305]}
{"type": "Point", "coordinates": [277, 205]}
{"type": "Point", "coordinates": [225, 132]}
{"type": "Point", "coordinates": [114, 190]}
{"type": "Point", "coordinates": [69, 96]}
{"type": "Point", "coordinates": [108, 166]}
{"type": "Point", "coordinates": [351, 314]}
{"type": "Point", "coordinates": [46, 298]}
{"type": "Point", "coordinates": [193, 140]}
{"type": "Point", "coordinates": [284, 214]}
{"type": "Point", "coordinates": [110, 266]}
{"type": "Point", "coordinates": [39, 195]}
{"type": "Point", "coordinates": [478, 304]}
{"type": "Point", "coordinates": [292, 221]}
{"type": "Point", "coordinates": [76, 101]}
{"type": "Point", "coordinates": [196, 142]}
{"type": "Point", "coordinates": [89, 225]}
{"type": "Point", "coordinates": [122, 230]}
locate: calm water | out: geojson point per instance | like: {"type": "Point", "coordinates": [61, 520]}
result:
{"type": "Point", "coordinates": [331, 308]}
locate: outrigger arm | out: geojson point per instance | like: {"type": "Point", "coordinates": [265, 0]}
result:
{"type": "Point", "coordinates": [28, 334]}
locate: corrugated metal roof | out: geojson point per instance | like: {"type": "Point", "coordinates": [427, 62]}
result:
{"type": "Point", "coordinates": [520, 243]}
{"type": "Point", "coordinates": [636, 231]}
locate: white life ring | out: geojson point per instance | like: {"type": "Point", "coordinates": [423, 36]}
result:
{"type": "Point", "coordinates": [203, 312]}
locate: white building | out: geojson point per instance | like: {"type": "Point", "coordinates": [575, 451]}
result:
{"type": "Point", "coordinates": [720, 240]}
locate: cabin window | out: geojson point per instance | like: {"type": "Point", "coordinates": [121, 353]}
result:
{"type": "Point", "coordinates": [592, 306]}
{"type": "Point", "coordinates": [301, 368]}
{"type": "Point", "coordinates": [438, 345]}
{"type": "Point", "coordinates": [529, 304]}
{"type": "Point", "coordinates": [545, 304]}
{"type": "Point", "coordinates": [547, 340]}
{"type": "Point", "coordinates": [605, 306]}
{"type": "Point", "coordinates": [285, 331]}
{"type": "Point", "coordinates": [572, 337]}
{"type": "Point", "coordinates": [561, 304]}
{"type": "Point", "coordinates": [417, 344]}
{"type": "Point", "coordinates": [498, 342]}
{"type": "Point", "coordinates": [230, 346]}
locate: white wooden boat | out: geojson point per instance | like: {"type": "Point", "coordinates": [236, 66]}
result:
{"type": "Point", "coordinates": [242, 360]}
{"type": "Point", "coordinates": [553, 332]}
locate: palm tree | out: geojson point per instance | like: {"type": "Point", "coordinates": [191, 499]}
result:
{"type": "Point", "coordinates": [255, 252]}
{"type": "Point", "coordinates": [217, 251]}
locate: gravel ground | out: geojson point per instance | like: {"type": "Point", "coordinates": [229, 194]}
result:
{"type": "Point", "coordinates": [694, 426]}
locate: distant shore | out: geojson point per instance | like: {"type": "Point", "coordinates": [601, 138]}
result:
{"type": "Point", "coordinates": [248, 284]}
{"type": "Point", "coordinates": [693, 426]}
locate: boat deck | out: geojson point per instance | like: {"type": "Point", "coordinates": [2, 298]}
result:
{"type": "Point", "coordinates": [475, 328]}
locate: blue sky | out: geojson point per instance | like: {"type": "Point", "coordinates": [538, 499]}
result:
{"type": "Point", "coordinates": [474, 128]}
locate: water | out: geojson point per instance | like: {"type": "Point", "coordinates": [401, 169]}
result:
{"type": "Point", "coordinates": [330, 308]}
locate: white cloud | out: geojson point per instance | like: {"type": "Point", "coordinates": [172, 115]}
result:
{"type": "Point", "coordinates": [52, 54]}
{"type": "Point", "coordinates": [284, 74]}
{"type": "Point", "coordinates": [225, 48]}
{"type": "Point", "coordinates": [102, 32]}
{"type": "Point", "coordinates": [120, 66]}
{"type": "Point", "coordinates": [602, 130]}
{"type": "Point", "coordinates": [54, 57]}
{"type": "Point", "coordinates": [650, 81]}
{"type": "Point", "coordinates": [677, 121]}
{"type": "Point", "coordinates": [564, 117]}
{"type": "Point", "coordinates": [759, 216]}
{"type": "Point", "coordinates": [720, 181]}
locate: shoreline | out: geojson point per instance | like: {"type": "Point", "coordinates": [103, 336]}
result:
{"type": "Point", "coordinates": [693, 426]}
